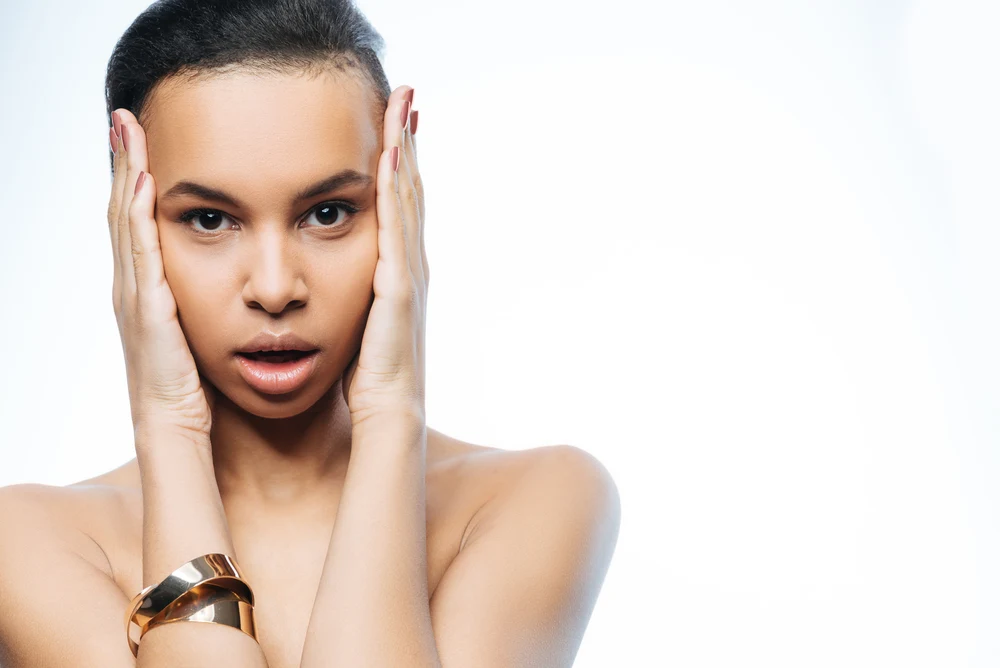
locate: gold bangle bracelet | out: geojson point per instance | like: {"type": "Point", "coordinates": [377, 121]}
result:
{"type": "Point", "coordinates": [209, 603]}
{"type": "Point", "coordinates": [151, 604]}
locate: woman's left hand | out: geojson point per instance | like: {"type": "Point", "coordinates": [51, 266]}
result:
{"type": "Point", "coordinates": [387, 374]}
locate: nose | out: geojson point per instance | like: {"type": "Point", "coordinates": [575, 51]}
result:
{"type": "Point", "coordinates": [274, 276]}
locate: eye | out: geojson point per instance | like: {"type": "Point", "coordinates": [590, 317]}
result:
{"type": "Point", "coordinates": [188, 216]}
{"type": "Point", "coordinates": [326, 214]}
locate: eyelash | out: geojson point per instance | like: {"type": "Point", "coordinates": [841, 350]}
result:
{"type": "Point", "coordinates": [188, 216]}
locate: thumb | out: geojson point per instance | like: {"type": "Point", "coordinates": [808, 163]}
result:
{"type": "Point", "coordinates": [210, 392]}
{"type": "Point", "coordinates": [348, 377]}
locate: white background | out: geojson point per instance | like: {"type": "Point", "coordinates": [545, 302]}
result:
{"type": "Point", "coordinates": [744, 253]}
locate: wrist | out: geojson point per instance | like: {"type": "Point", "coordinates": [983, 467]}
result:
{"type": "Point", "coordinates": [403, 423]}
{"type": "Point", "coordinates": [153, 437]}
{"type": "Point", "coordinates": [403, 413]}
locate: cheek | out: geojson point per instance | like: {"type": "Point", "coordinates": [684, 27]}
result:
{"type": "Point", "coordinates": [198, 284]}
{"type": "Point", "coordinates": [342, 291]}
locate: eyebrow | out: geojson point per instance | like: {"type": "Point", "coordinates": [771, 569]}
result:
{"type": "Point", "coordinates": [346, 177]}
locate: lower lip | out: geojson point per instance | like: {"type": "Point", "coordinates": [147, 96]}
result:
{"type": "Point", "coordinates": [277, 377]}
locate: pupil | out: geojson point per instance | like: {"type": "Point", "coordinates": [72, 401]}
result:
{"type": "Point", "coordinates": [209, 213]}
{"type": "Point", "coordinates": [321, 217]}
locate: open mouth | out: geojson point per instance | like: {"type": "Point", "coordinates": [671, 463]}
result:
{"type": "Point", "coordinates": [277, 356]}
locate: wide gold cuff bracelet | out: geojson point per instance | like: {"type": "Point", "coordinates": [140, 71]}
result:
{"type": "Point", "coordinates": [208, 603]}
{"type": "Point", "coordinates": [194, 584]}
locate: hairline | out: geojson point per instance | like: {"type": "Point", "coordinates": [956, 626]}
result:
{"type": "Point", "coordinates": [342, 64]}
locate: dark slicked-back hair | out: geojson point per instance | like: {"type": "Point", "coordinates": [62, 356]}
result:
{"type": "Point", "coordinates": [196, 38]}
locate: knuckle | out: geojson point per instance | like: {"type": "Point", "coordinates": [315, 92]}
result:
{"type": "Point", "coordinates": [132, 204]}
{"type": "Point", "coordinates": [138, 252]}
{"type": "Point", "coordinates": [411, 195]}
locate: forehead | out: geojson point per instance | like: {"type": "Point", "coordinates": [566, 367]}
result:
{"type": "Point", "coordinates": [261, 130]}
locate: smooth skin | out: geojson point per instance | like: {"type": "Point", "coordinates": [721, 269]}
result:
{"type": "Point", "coordinates": [368, 537]}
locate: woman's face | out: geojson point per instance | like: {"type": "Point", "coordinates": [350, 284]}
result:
{"type": "Point", "coordinates": [269, 260]}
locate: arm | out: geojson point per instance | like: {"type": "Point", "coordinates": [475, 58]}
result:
{"type": "Point", "coordinates": [521, 591]}
{"type": "Point", "coordinates": [56, 607]}
{"type": "Point", "coordinates": [59, 604]}
{"type": "Point", "coordinates": [524, 584]}
{"type": "Point", "coordinates": [519, 594]}
{"type": "Point", "coordinates": [371, 606]}
{"type": "Point", "coordinates": [183, 518]}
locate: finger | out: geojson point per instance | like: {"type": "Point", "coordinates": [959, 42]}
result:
{"type": "Point", "coordinates": [114, 200]}
{"type": "Point", "coordinates": [411, 131]}
{"type": "Point", "coordinates": [147, 261]}
{"type": "Point", "coordinates": [391, 233]}
{"type": "Point", "coordinates": [118, 185]}
{"type": "Point", "coordinates": [134, 141]}
{"type": "Point", "coordinates": [418, 183]}
{"type": "Point", "coordinates": [348, 377]}
{"type": "Point", "coordinates": [396, 116]}
{"type": "Point", "coordinates": [210, 392]}
{"type": "Point", "coordinates": [411, 196]}
{"type": "Point", "coordinates": [411, 200]}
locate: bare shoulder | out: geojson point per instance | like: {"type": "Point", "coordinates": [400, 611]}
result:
{"type": "Point", "coordinates": [49, 564]}
{"type": "Point", "coordinates": [46, 513]}
{"type": "Point", "coordinates": [551, 483]}
{"type": "Point", "coordinates": [81, 515]}
{"type": "Point", "coordinates": [492, 484]}
{"type": "Point", "coordinates": [505, 481]}
{"type": "Point", "coordinates": [533, 559]}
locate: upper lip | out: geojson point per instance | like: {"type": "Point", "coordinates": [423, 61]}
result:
{"type": "Point", "coordinates": [266, 341]}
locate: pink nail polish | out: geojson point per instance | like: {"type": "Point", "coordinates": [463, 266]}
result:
{"type": "Point", "coordinates": [125, 135]}
{"type": "Point", "coordinates": [394, 158]}
{"type": "Point", "coordinates": [114, 140]}
{"type": "Point", "coordinates": [404, 115]}
{"type": "Point", "coordinates": [413, 121]}
{"type": "Point", "coordinates": [408, 96]}
{"type": "Point", "coordinates": [138, 182]}
{"type": "Point", "coordinates": [116, 121]}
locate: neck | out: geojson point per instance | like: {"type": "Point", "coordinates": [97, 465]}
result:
{"type": "Point", "coordinates": [281, 461]}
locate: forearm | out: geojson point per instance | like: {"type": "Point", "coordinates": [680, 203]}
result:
{"type": "Point", "coordinates": [183, 518]}
{"type": "Point", "coordinates": [371, 606]}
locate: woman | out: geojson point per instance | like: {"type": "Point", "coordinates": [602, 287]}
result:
{"type": "Point", "coordinates": [266, 197]}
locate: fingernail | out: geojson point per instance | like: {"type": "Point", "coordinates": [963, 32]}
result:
{"type": "Point", "coordinates": [138, 182]}
{"type": "Point", "coordinates": [116, 121]}
{"type": "Point", "coordinates": [114, 140]}
{"type": "Point", "coordinates": [413, 121]}
{"type": "Point", "coordinates": [124, 130]}
{"type": "Point", "coordinates": [394, 157]}
{"type": "Point", "coordinates": [404, 114]}
{"type": "Point", "coordinates": [408, 95]}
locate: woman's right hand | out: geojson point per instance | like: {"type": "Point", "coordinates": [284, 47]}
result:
{"type": "Point", "coordinates": [165, 389]}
